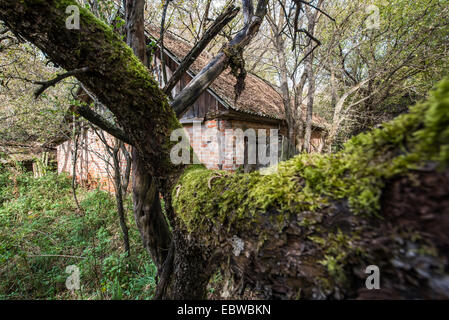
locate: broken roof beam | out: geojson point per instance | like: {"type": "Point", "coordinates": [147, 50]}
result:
{"type": "Point", "coordinates": [221, 61]}
{"type": "Point", "coordinates": [222, 20]}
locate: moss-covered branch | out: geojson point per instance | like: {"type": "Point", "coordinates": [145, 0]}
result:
{"type": "Point", "coordinates": [309, 228]}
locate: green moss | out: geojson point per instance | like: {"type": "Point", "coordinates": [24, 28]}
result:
{"type": "Point", "coordinates": [337, 247]}
{"type": "Point", "coordinates": [119, 53]}
{"type": "Point", "coordinates": [308, 182]}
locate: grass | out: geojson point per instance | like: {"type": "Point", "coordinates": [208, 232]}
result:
{"type": "Point", "coordinates": [41, 234]}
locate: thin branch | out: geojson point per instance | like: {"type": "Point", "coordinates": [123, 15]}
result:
{"type": "Point", "coordinates": [47, 84]}
{"type": "Point", "coordinates": [97, 119]}
{"type": "Point", "coordinates": [102, 123]}
{"type": "Point", "coordinates": [221, 61]}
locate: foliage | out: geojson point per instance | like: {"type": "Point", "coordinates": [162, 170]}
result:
{"type": "Point", "coordinates": [23, 118]}
{"type": "Point", "coordinates": [37, 218]}
{"type": "Point", "coordinates": [404, 56]}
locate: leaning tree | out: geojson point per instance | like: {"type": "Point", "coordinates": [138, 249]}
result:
{"type": "Point", "coordinates": [308, 230]}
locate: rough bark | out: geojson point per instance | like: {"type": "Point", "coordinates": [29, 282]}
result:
{"type": "Point", "coordinates": [291, 266]}
{"type": "Point", "coordinates": [299, 110]}
{"type": "Point", "coordinates": [150, 220]}
{"type": "Point", "coordinates": [119, 195]}
{"type": "Point", "coordinates": [310, 230]}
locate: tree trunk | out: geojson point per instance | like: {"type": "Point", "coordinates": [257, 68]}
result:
{"type": "Point", "coordinates": [148, 214]}
{"type": "Point", "coordinates": [311, 17]}
{"type": "Point", "coordinates": [283, 75]}
{"type": "Point", "coordinates": [310, 101]}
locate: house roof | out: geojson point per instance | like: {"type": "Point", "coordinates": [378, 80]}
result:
{"type": "Point", "coordinates": [258, 98]}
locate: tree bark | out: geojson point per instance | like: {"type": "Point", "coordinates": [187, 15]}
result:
{"type": "Point", "coordinates": [119, 195]}
{"type": "Point", "coordinates": [150, 220]}
{"type": "Point", "coordinates": [311, 230]}
{"type": "Point", "coordinates": [283, 75]}
{"type": "Point", "coordinates": [311, 17]}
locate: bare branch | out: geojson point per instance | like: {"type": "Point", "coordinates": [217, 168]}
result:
{"type": "Point", "coordinates": [221, 21]}
{"type": "Point", "coordinates": [47, 84]}
{"type": "Point", "coordinates": [161, 39]}
{"type": "Point", "coordinates": [221, 61]}
{"type": "Point", "coordinates": [102, 123]}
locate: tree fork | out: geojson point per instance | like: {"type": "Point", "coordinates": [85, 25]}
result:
{"type": "Point", "coordinates": [150, 220]}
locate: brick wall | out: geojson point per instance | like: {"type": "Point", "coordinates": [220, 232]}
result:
{"type": "Point", "coordinates": [94, 165]}
{"type": "Point", "coordinates": [208, 140]}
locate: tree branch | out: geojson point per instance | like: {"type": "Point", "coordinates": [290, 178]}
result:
{"type": "Point", "coordinates": [221, 61]}
{"type": "Point", "coordinates": [161, 39]}
{"type": "Point", "coordinates": [102, 123]}
{"type": "Point", "coordinates": [47, 84]}
{"type": "Point", "coordinates": [222, 20]}
{"type": "Point", "coordinates": [316, 8]}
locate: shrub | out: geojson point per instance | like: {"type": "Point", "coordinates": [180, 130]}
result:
{"type": "Point", "coordinates": [41, 234]}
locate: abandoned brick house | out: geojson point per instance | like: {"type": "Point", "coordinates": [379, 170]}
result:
{"type": "Point", "coordinates": [258, 107]}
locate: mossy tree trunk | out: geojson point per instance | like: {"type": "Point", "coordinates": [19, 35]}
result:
{"type": "Point", "coordinates": [150, 220]}
{"type": "Point", "coordinates": [306, 231]}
